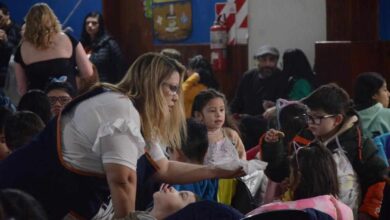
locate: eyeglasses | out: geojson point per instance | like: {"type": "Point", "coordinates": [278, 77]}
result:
{"type": "Point", "coordinates": [174, 89]}
{"type": "Point", "coordinates": [316, 120]}
{"type": "Point", "coordinates": [61, 99]}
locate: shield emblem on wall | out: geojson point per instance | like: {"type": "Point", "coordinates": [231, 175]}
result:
{"type": "Point", "coordinates": [172, 19]}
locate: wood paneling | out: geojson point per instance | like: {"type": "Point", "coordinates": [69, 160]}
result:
{"type": "Point", "coordinates": [125, 20]}
{"type": "Point", "coordinates": [353, 43]}
{"type": "Point", "coordinates": [341, 62]}
{"type": "Point", "coordinates": [355, 20]}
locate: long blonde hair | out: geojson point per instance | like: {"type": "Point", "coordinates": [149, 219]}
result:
{"type": "Point", "coordinates": [41, 25]}
{"type": "Point", "coordinates": [143, 84]}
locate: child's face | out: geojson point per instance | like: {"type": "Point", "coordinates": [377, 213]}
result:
{"type": "Point", "coordinates": [58, 98]}
{"type": "Point", "coordinates": [322, 124]}
{"type": "Point", "coordinates": [213, 114]}
{"type": "Point", "coordinates": [382, 96]}
{"type": "Point", "coordinates": [169, 200]}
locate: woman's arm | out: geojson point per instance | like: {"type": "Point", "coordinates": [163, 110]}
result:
{"type": "Point", "coordinates": [175, 172]}
{"type": "Point", "coordinates": [123, 184]}
{"type": "Point", "coordinates": [83, 63]}
{"type": "Point", "coordinates": [21, 79]}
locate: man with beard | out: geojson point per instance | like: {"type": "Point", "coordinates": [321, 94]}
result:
{"type": "Point", "coordinates": [260, 86]}
{"type": "Point", "coordinates": [258, 90]}
{"type": "Point", "coordinates": [9, 39]}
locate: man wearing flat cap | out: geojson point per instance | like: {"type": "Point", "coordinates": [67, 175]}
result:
{"type": "Point", "coordinates": [261, 85]}
{"type": "Point", "coordinates": [258, 90]}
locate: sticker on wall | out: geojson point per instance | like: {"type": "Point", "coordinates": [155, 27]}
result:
{"type": "Point", "coordinates": [172, 19]}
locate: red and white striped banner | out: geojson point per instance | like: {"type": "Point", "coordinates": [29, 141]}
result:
{"type": "Point", "coordinates": [236, 14]}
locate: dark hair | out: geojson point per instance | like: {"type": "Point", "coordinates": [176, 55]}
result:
{"type": "Point", "coordinates": [367, 85]}
{"type": "Point", "coordinates": [172, 53]}
{"type": "Point", "coordinates": [313, 172]}
{"type": "Point", "coordinates": [37, 102]}
{"type": "Point", "coordinates": [330, 98]}
{"type": "Point", "coordinates": [203, 67]}
{"type": "Point", "coordinates": [296, 64]}
{"type": "Point", "coordinates": [4, 8]}
{"type": "Point", "coordinates": [196, 144]}
{"type": "Point", "coordinates": [85, 39]}
{"type": "Point", "coordinates": [4, 114]}
{"type": "Point", "coordinates": [204, 97]}
{"type": "Point", "coordinates": [20, 128]}
{"type": "Point", "coordinates": [292, 119]}
{"type": "Point", "coordinates": [18, 205]}
{"type": "Point", "coordinates": [64, 86]}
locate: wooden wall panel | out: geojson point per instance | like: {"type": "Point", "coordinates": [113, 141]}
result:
{"type": "Point", "coordinates": [341, 62]}
{"type": "Point", "coordinates": [126, 22]}
{"type": "Point", "coordinates": [355, 20]}
{"type": "Point", "coordinates": [353, 43]}
{"type": "Point", "coordinates": [384, 59]}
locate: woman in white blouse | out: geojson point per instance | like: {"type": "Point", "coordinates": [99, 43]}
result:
{"type": "Point", "coordinates": [102, 134]}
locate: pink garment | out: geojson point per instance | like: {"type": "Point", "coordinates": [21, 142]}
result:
{"type": "Point", "coordinates": [326, 204]}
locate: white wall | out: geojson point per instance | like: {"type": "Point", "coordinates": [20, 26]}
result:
{"type": "Point", "coordinates": [286, 24]}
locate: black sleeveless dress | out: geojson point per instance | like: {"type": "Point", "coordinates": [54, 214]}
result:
{"type": "Point", "coordinates": [40, 73]}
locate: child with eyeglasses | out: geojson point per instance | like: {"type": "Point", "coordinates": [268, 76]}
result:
{"type": "Point", "coordinates": [334, 122]}
{"type": "Point", "coordinates": [59, 94]}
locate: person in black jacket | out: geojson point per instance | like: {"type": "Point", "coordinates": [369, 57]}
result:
{"type": "Point", "coordinates": [258, 90]}
{"type": "Point", "coordinates": [102, 49]}
{"type": "Point", "coordinates": [261, 86]}
{"type": "Point", "coordinates": [9, 40]}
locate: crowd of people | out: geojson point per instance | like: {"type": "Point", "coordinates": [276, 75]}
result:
{"type": "Point", "coordinates": [90, 140]}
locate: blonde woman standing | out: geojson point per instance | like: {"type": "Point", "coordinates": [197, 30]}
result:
{"type": "Point", "coordinates": [46, 52]}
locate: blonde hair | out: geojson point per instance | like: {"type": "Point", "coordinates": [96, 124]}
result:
{"type": "Point", "coordinates": [143, 83]}
{"type": "Point", "coordinates": [41, 25]}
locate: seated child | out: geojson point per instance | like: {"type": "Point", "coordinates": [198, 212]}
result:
{"type": "Point", "coordinates": [17, 205]}
{"type": "Point", "coordinates": [334, 122]}
{"type": "Point", "coordinates": [193, 150]}
{"type": "Point", "coordinates": [313, 184]}
{"type": "Point", "coordinates": [36, 101]}
{"type": "Point", "coordinates": [225, 145]}
{"type": "Point", "coordinates": [21, 127]}
{"type": "Point", "coordinates": [276, 144]}
{"type": "Point", "coordinates": [59, 94]}
{"type": "Point", "coordinates": [210, 108]}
